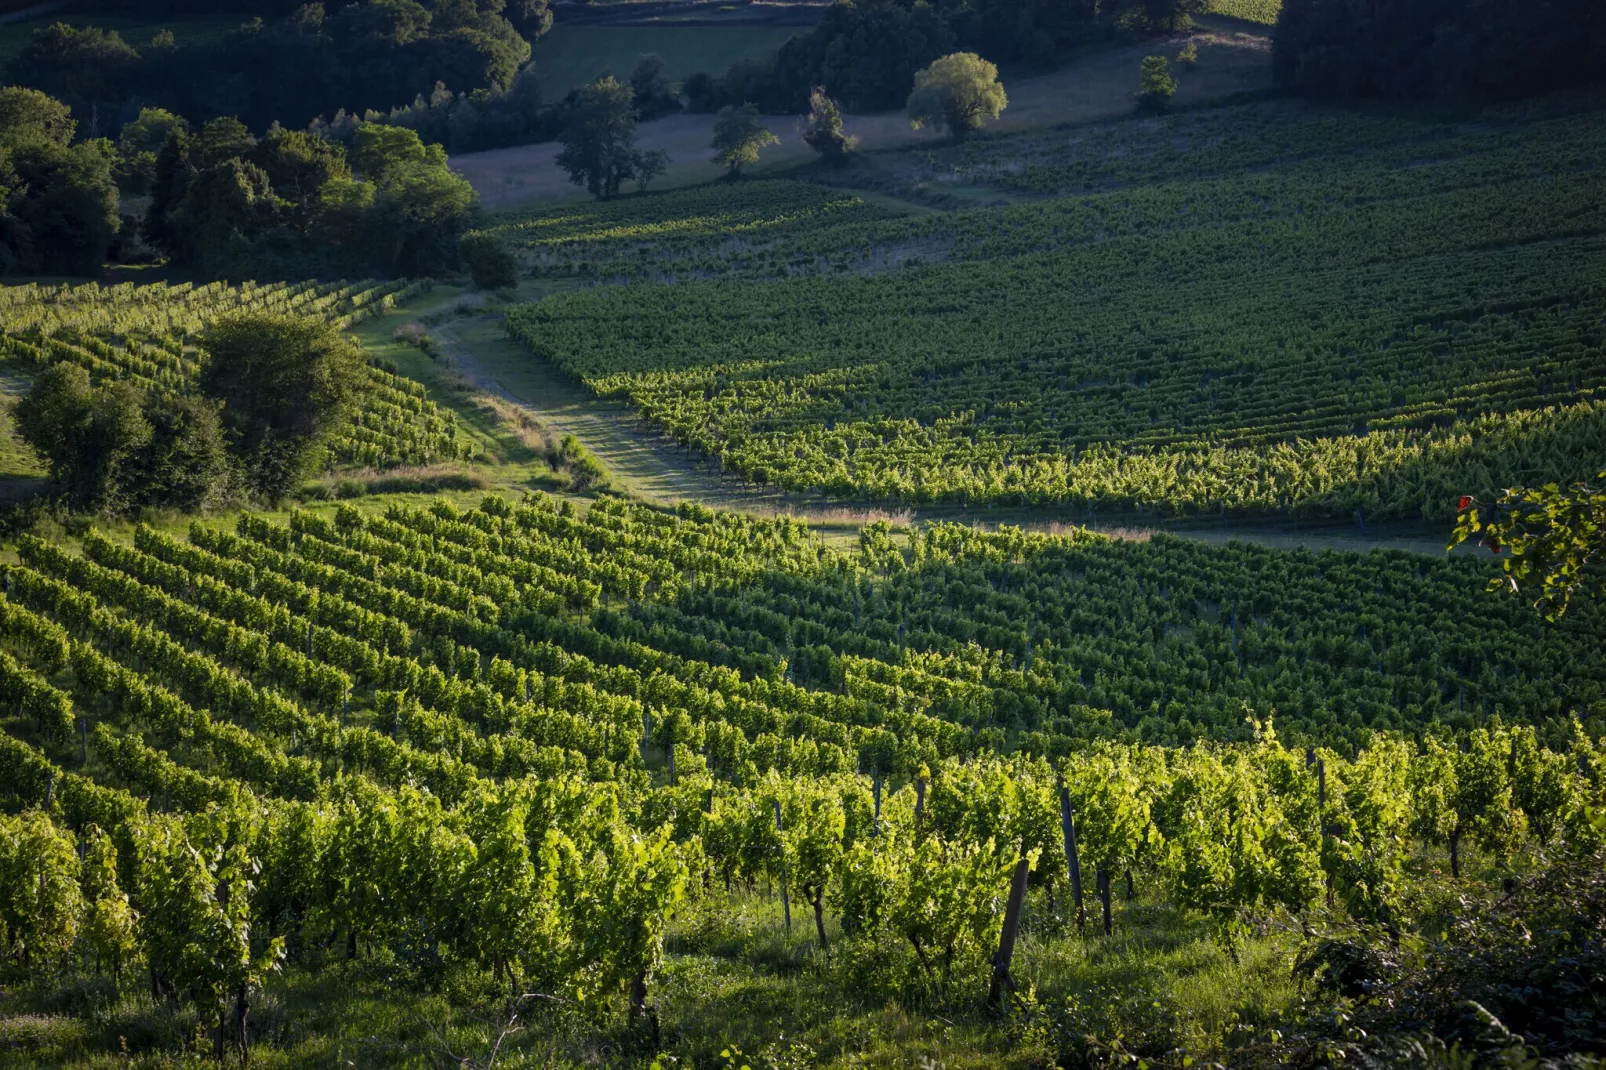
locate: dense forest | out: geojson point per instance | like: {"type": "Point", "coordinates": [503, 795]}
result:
{"type": "Point", "coordinates": [1443, 49]}
{"type": "Point", "coordinates": [285, 67]}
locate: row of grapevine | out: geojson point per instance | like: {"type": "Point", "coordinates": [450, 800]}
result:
{"type": "Point", "coordinates": [149, 335]}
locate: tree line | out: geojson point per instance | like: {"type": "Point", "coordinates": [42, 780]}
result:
{"type": "Point", "coordinates": [223, 202]}
{"type": "Point", "coordinates": [866, 54]}
{"type": "Point", "coordinates": [1438, 49]}
{"type": "Point", "coordinates": [285, 63]}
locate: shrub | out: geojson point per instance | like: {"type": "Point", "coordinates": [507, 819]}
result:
{"type": "Point", "coordinates": [489, 261]}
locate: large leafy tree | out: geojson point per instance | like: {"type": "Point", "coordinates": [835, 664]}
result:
{"type": "Point", "coordinates": [599, 137]}
{"type": "Point", "coordinates": [285, 383]}
{"type": "Point", "coordinates": [113, 447]}
{"type": "Point", "coordinates": [58, 202]}
{"type": "Point", "coordinates": [824, 133]}
{"type": "Point", "coordinates": [90, 438]}
{"type": "Point", "coordinates": [957, 93]}
{"type": "Point", "coordinates": [739, 135]}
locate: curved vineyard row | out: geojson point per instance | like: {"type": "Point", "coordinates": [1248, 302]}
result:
{"type": "Point", "coordinates": [1380, 332]}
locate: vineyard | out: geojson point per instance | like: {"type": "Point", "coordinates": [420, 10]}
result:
{"type": "Point", "coordinates": [705, 229]}
{"type": "Point", "coordinates": [149, 336]}
{"type": "Point", "coordinates": [1316, 334]}
{"type": "Point", "coordinates": [530, 742]}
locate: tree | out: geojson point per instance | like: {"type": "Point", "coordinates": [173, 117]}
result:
{"type": "Point", "coordinates": [380, 152]}
{"type": "Point", "coordinates": [957, 93]}
{"type": "Point", "coordinates": [187, 464]}
{"type": "Point", "coordinates": [112, 447]}
{"type": "Point", "coordinates": [62, 210]}
{"type": "Point", "coordinates": [58, 203]}
{"type": "Point", "coordinates": [824, 133]}
{"type": "Point", "coordinates": [650, 89]}
{"type": "Point", "coordinates": [89, 438]}
{"type": "Point", "coordinates": [299, 165]}
{"type": "Point", "coordinates": [599, 137]}
{"type": "Point", "coordinates": [1157, 86]}
{"type": "Point", "coordinates": [285, 384]}
{"type": "Point", "coordinates": [1553, 538]}
{"type": "Point", "coordinates": [739, 134]}
{"type": "Point", "coordinates": [89, 68]}
{"type": "Point", "coordinates": [29, 115]}
{"type": "Point", "coordinates": [489, 260]}
{"type": "Point", "coordinates": [649, 166]}
{"type": "Point", "coordinates": [227, 210]}
{"type": "Point", "coordinates": [138, 145]}
{"type": "Point", "coordinates": [701, 92]}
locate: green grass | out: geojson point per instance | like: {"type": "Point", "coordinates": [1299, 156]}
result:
{"type": "Point", "coordinates": [734, 979]}
{"type": "Point", "coordinates": [571, 56]}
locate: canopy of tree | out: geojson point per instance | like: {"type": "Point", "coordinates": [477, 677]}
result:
{"type": "Point", "coordinates": [599, 139]}
{"type": "Point", "coordinates": [290, 63]}
{"type": "Point", "coordinates": [739, 135]}
{"type": "Point", "coordinates": [865, 53]}
{"type": "Point", "coordinates": [1438, 48]}
{"type": "Point", "coordinates": [228, 204]}
{"type": "Point", "coordinates": [272, 390]}
{"type": "Point", "coordinates": [58, 202]}
{"type": "Point", "coordinates": [957, 93]}
{"type": "Point", "coordinates": [284, 383]}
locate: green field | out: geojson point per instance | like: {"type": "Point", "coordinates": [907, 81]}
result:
{"type": "Point", "coordinates": [570, 56]}
{"type": "Point", "coordinates": [1273, 320]}
{"type": "Point", "coordinates": [381, 729]}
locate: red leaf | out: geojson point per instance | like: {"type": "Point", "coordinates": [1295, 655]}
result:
{"type": "Point", "coordinates": [1465, 502]}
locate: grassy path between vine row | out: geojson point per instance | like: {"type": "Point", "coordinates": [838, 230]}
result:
{"type": "Point", "coordinates": [651, 467]}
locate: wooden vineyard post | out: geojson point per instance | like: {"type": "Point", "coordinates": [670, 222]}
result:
{"type": "Point", "coordinates": [786, 902]}
{"type": "Point", "coordinates": [670, 750]}
{"type": "Point", "coordinates": [1006, 939]}
{"type": "Point", "coordinates": [1104, 897]}
{"type": "Point", "coordinates": [920, 802]}
{"type": "Point", "coordinates": [875, 829]}
{"type": "Point", "coordinates": [1321, 815]}
{"type": "Point", "coordinates": [1068, 828]}
{"type": "Point", "coordinates": [638, 996]}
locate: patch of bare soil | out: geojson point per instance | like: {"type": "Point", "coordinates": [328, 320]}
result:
{"type": "Point", "coordinates": [1100, 86]}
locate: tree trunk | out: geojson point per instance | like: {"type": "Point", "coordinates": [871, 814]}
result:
{"type": "Point", "coordinates": [819, 918]}
{"type": "Point", "coordinates": [638, 996]}
{"type": "Point", "coordinates": [1006, 938]}
{"type": "Point", "coordinates": [1104, 898]}
{"type": "Point", "coordinates": [242, 1010]}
